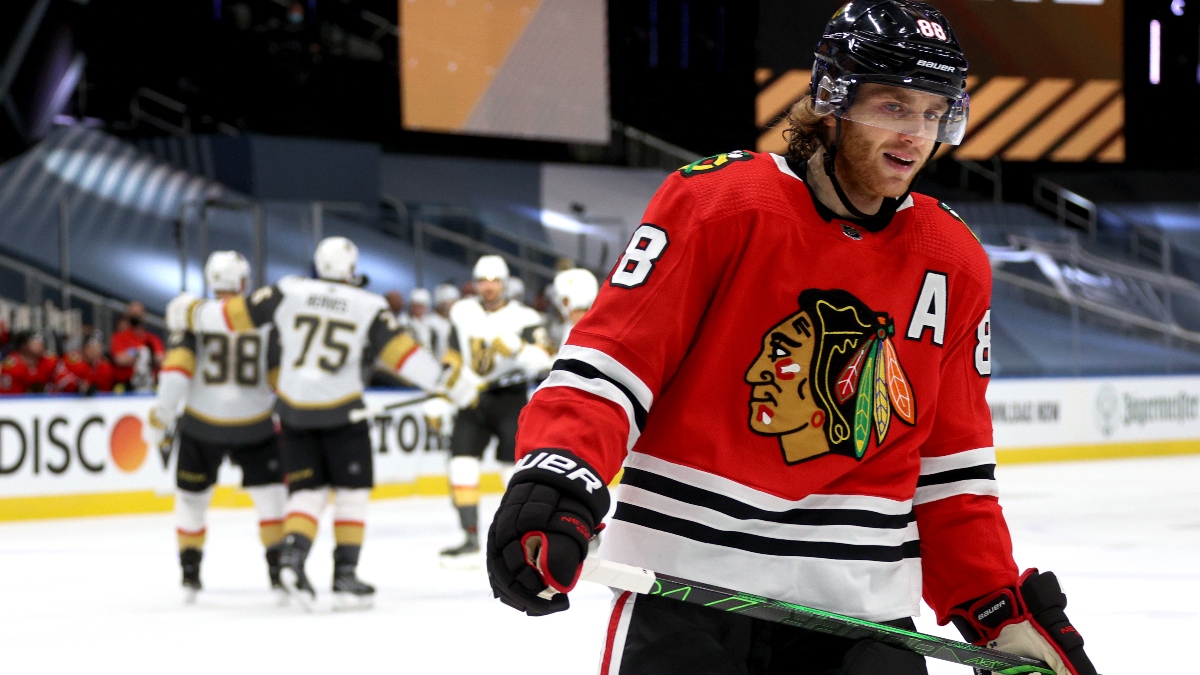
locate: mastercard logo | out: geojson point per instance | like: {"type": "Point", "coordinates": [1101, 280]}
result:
{"type": "Point", "coordinates": [126, 446]}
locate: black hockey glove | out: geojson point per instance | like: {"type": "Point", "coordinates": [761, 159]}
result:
{"type": "Point", "coordinates": [1029, 620]}
{"type": "Point", "coordinates": [540, 534]}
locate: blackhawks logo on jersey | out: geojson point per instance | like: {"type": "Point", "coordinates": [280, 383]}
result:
{"type": "Point", "coordinates": [714, 163]}
{"type": "Point", "coordinates": [827, 379]}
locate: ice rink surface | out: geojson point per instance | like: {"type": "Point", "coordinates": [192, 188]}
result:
{"type": "Point", "coordinates": [100, 595]}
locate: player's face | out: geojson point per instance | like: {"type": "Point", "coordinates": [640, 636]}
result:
{"type": "Point", "coordinates": [876, 161]}
{"type": "Point", "coordinates": [418, 310]}
{"type": "Point", "coordinates": [490, 290]}
{"type": "Point", "coordinates": [35, 348]}
{"type": "Point", "coordinates": [781, 400]}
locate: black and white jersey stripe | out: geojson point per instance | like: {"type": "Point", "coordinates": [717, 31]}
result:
{"type": "Point", "coordinates": [972, 472]}
{"type": "Point", "coordinates": [599, 374]}
{"type": "Point", "coordinates": [854, 554]}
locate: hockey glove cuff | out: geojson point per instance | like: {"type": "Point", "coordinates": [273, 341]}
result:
{"type": "Point", "coordinates": [1029, 620]}
{"type": "Point", "coordinates": [540, 535]}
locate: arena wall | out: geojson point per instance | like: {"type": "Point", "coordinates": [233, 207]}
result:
{"type": "Point", "coordinates": [69, 456]}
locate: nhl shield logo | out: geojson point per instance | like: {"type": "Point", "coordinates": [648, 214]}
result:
{"type": "Point", "coordinates": [827, 379]}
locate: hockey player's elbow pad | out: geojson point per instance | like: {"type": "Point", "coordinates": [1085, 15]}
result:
{"type": "Point", "coordinates": [540, 535]}
{"type": "Point", "coordinates": [1029, 620]}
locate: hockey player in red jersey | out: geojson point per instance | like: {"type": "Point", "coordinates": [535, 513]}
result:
{"type": "Point", "coordinates": [29, 369]}
{"type": "Point", "coordinates": [789, 361]}
{"type": "Point", "coordinates": [86, 371]}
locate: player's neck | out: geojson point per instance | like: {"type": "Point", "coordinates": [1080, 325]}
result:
{"type": "Point", "coordinates": [822, 187]}
{"type": "Point", "coordinates": [493, 305]}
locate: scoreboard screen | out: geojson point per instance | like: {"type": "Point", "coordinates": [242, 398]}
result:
{"type": "Point", "coordinates": [1046, 78]}
{"type": "Point", "coordinates": [530, 69]}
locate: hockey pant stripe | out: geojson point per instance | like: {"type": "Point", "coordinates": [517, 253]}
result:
{"type": "Point", "coordinates": [618, 629]}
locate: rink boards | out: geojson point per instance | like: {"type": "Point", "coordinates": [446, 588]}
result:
{"type": "Point", "coordinates": [70, 456]}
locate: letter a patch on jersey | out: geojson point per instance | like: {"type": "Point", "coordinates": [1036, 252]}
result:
{"type": "Point", "coordinates": [827, 379]}
{"type": "Point", "coordinates": [930, 311]}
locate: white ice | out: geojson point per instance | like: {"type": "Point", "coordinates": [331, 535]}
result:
{"type": "Point", "coordinates": [101, 594]}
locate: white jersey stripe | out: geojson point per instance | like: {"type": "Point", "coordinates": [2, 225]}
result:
{"type": "Point", "coordinates": [841, 534]}
{"type": "Point", "coordinates": [959, 460]}
{"type": "Point", "coordinates": [978, 486]}
{"type": "Point", "coordinates": [597, 387]}
{"type": "Point", "coordinates": [612, 368]}
{"type": "Point", "coordinates": [865, 589]}
{"type": "Point", "coordinates": [760, 499]}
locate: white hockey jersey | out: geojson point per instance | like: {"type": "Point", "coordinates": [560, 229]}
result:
{"type": "Point", "coordinates": [327, 330]}
{"type": "Point", "coordinates": [223, 381]}
{"type": "Point", "coordinates": [501, 348]}
{"type": "Point", "coordinates": [432, 331]}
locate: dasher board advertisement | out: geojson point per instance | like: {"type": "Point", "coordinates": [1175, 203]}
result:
{"type": "Point", "coordinates": [54, 447]}
{"type": "Point", "coordinates": [1094, 418]}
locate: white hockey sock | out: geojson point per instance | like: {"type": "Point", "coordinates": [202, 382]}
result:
{"type": "Point", "coordinates": [270, 501]}
{"type": "Point", "coordinates": [350, 515]}
{"type": "Point", "coordinates": [304, 507]}
{"type": "Point", "coordinates": [464, 480]}
{"type": "Point", "coordinates": [190, 511]}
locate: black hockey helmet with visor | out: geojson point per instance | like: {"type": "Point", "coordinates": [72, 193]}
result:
{"type": "Point", "coordinates": [898, 43]}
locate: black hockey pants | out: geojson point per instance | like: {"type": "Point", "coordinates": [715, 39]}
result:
{"type": "Point", "coordinates": [649, 635]}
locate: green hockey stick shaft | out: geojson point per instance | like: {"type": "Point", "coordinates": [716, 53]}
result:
{"type": "Point", "coordinates": [637, 580]}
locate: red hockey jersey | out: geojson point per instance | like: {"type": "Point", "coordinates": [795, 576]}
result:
{"type": "Point", "coordinates": [798, 403]}
{"type": "Point", "coordinates": [74, 374]}
{"type": "Point", "coordinates": [18, 376]}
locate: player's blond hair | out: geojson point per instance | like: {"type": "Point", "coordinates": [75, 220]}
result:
{"type": "Point", "coordinates": [805, 126]}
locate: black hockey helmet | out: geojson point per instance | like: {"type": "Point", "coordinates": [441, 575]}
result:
{"type": "Point", "coordinates": [899, 43]}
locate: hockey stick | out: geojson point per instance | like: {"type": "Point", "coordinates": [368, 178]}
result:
{"type": "Point", "coordinates": [638, 580]}
{"type": "Point", "coordinates": [403, 404]}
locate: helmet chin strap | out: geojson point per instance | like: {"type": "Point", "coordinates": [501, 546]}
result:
{"type": "Point", "coordinates": [889, 206]}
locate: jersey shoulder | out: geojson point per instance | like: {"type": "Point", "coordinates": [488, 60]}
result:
{"type": "Point", "coordinates": [466, 310]}
{"type": "Point", "coordinates": [523, 314]}
{"type": "Point", "coordinates": [939, 232]}
{"type": "Point", "coordinates": [730, 183]}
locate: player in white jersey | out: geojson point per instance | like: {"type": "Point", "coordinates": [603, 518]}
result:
{"type": "Point", "coordinates": [220, 379]}
{"type": "Point", "coordinates": [496, 346]}
{"type": "Point", "coordinates": [430, 328]}
{"type": "Point", "coordinates": [326, 327]}
{"type": "Point", "coordinates": [574, 292]}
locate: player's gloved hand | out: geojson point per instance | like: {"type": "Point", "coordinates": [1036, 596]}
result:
{"type": "Point", "coordinates": [439, 415]}
{"type": "Point", "coordinates": [539, 537]}
{"type": "Point", "coordinates": [157, 430]}
{"type": "Point", "coordinates": [464, 389]}
{"type": "Point", "coordinates": [1029, 620]}
{"type": "Point", "coordinates": [179, 311]}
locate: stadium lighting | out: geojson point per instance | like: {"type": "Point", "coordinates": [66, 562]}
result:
{"type": "Point", "coordinates": [1155, 52]}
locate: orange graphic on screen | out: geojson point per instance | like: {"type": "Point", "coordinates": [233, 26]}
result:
{"type": "Point", "coordinates": [126, 445]}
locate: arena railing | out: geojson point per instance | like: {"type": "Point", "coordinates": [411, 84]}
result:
{"type": "Point", "coordinates": [1131, 296]}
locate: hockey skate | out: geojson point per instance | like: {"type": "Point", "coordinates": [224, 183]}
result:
{"type": "Point", "coordinates": [291, 573]}
{"type": "Point", "coordinates": [274, 570]}
{"type": "Point", "coordinates": [189, 560]}
{"type": "Point", "coordinates": [349, 592]}
{"type": "Point", "coordinates": [465, 556]}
